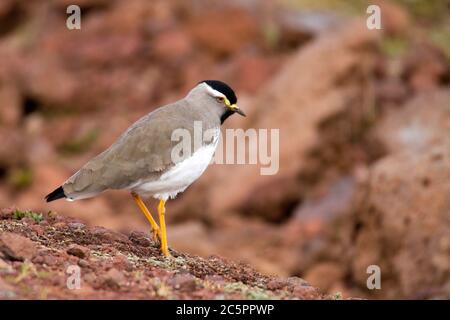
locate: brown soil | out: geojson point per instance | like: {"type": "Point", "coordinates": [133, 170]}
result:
{"type": "Point", "coordinates": [36, 251]}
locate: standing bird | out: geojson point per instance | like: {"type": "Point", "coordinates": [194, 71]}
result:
{"type": "Point", "coordinates": [141, 159]}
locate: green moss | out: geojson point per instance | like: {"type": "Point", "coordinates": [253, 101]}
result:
{"type": "Point", "coordinates": [394, 46]}
{"type": "Point", "coordinates": [20, 178]}
{"type": "Point", "coordinates": [336, 296]}
{"type": "Point", "coordinates": [271, 34]}
{"type": "Point", "coordinates": [426, 9]}
{"type": "Point", "coordinates": [19, 215]}
{"type": "Point", "coordinates": [441, 38]}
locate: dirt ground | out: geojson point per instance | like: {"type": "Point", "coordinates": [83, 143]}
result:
{"type": "Point", "coordinates": [38, 254]}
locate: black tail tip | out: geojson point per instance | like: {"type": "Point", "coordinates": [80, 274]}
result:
{"type": "Point", "coordinates": [55, 195]}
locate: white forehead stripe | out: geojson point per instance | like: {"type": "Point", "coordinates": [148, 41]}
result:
{"type": "Point", "coordinates": [213, 92]}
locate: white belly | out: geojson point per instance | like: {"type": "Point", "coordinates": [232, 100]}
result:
{"type": "Point", "coordinates": [180, 176]}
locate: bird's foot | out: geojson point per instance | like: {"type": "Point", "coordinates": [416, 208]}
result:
{"type": "Point", "coordinates": [165, 252]}
{"type": "Point", "coordinates": [156, 235]}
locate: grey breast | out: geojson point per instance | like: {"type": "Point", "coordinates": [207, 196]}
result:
{"type": "Point", "coordinates": [142, 152]}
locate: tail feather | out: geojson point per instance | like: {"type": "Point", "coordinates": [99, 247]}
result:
{"type": "Point", "coordinates": [55, 195]}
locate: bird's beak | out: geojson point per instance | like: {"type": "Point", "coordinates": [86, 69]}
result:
{"type": "Point", "coordinates": [236, 109]}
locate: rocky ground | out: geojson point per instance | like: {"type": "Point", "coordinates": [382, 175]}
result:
{"type": "Point", "coordinates": [38, 253]}
{"type": "Point", "coordinates": [363, 118]}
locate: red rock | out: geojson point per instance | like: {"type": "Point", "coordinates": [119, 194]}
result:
{"type": "Point", "coordinates": [172, 45]}
{"type": "Point", "coordinates": [303, 292]}
{"type": "Point", "coordinates": [425, 66]}
{"type": "Point", "coordinates": [323, 275]}
{"type": "Point", "coordinates": [234, 27]}
{"type": "Point", "coordinates": [108, 235]}
{"type": "Point", "coordinates": [38, 229]}
{"type": "Point", "coordinates": [78, 251]}
{"type": "Point", "coordinates": [83, 263]}
{"type": "Point", "coordinates": [4, 265]}
{"type": "Point", "coordinates": [184, 282]}
{"type": "Point", "coordinates": [114, 279]}
{"type": "Point", "coordinates": [6, 213]}
{"type": "Point", "coordinates": [50, 260]}
{"type": "Point", "coordinates": [252, 71]}
{"type": "Point", "coordinates": [276, 284]}
{"type": "Point", "coordinates": [395, 18]}
{"type": "Point", "coordinates": [300, 103]}
{"type": "Point", "coordinates": [10, 109]}
{"type": "Point", "coordinates": [60, 225]}
{"type": "Point", "coordinates": [76, 225]}
{"type": "Point", "coordinates": [121, 262]}
{"type": "Point", "coordinates": [6, 290]}
{"type": "Point", "coordinates": [140, 238]}
{"type": "Point", "coordinates": [16, 247]}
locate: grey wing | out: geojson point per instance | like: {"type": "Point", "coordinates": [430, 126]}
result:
{"type": "Point", "coordinates": [141, 152]}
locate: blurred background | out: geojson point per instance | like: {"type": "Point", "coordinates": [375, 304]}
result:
{"type": "Point", "coordinates": [364, 119]}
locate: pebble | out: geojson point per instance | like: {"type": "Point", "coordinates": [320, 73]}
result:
{"type": "Point", "coordinates": [76, 225]}
{"type": "Point", "coordinates": [17, 247]}
{"type": "Point", "coordinates": [78, 251]}
{"type": "Point", "coordinates": [114, 279]}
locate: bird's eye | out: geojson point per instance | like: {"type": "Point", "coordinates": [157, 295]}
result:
{"type": "Point", "coordinates": [220, 99]}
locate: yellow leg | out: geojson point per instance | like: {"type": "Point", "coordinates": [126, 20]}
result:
{"type": "Point", "coordinates": [156, 232]}
{"type": "Point", "coordinates": [162, 222]}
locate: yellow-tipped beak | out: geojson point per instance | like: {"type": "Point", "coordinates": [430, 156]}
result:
{"type": "Point", "coordinates": [236, 109]}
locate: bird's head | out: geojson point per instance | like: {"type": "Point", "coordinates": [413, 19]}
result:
{"type": "Point", "coordinates": [218, 95]}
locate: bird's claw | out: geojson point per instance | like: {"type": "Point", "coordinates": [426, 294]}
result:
{"type": "Point", "coordinates": [155, 235]}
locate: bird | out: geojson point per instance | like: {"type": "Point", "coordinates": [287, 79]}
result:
{"type": "Point", "coordinates": [141, 160]}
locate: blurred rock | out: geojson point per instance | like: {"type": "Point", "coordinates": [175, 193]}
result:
{"type": "Point", "coordinates": [275, 200]}
{"type": "Point", "coordinates": [289, 102]}
{"type": "Point", "coordinates": [15, 247]}
{"type": "Point", "coordinates": [78, 251]}
{"type": "Point", "coordinates": [223, 31]}
{"type": "Point", "coordinates": [425, 67]}
{"type": "Point", "coordinates": [199, 241]}
{"type": "Point", "coordinates": [113, 279]}
{"type": "Point", "coordinates": [395, 18]}
{"type": "Point", "coordinates": [6, 290]}
{"type": "Point", "coordinates": [391, 90]}
{"type": "Point", "coordinates": [403, 225]}
{"type": "Point", "coordinates": [172, 45]}
{"type": "Point", "coordinates": [323, 275]}
{"type": "Point", "coordinates": [184, 282]}
{"type": "Point", "coordinates": [335, 202]}
{"type": "Point", "coordinates": [422, 122]}
{"type": "Point", "coordinates": [296, 27]}
{"type": "Point", "coordinates": [10, 111]}
{"type": "Point", "coordinates": [252, 71]}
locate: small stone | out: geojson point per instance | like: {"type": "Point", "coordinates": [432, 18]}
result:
{"type": "Point", "coordinates": [78, 251]}
{"type": "Point", "coordinates": [59, 225]}
{"type": "Point", "coordinates": [140, 239]}
{"type": "Point", "coordinates": [6, 290]}
{"type": "Point", "coordinates": [305, 292]}
{"type": "Point", "coordinates": [296, 281]}
{"type": "Point", "coordinates": [121, 262]}
{"type": "Point", "coordinates": [44, 223]}
{"type": "Point", "coordinates": [6, 213]}
{"type": "Point", "coordinates": [4, 265]}
{"type": "Point", "coordinates": [107, 235]}
{"type": "Point", "coordinates": [114, 279]}
{"type": "Point", "coordinates": [16, 247]}
{"type": "Point", "coordinates": [83, 263]}
{"type": "Point", "coordinates": [276, 284]}
{"type": "Point", "coordinates": [183, 282]}
{"type": "Point", "coordinates": [50, 260]}
{"type": "Point", "coordinates": [76, 225]}
{"type": "Point", "coordinates": [37, 229]}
